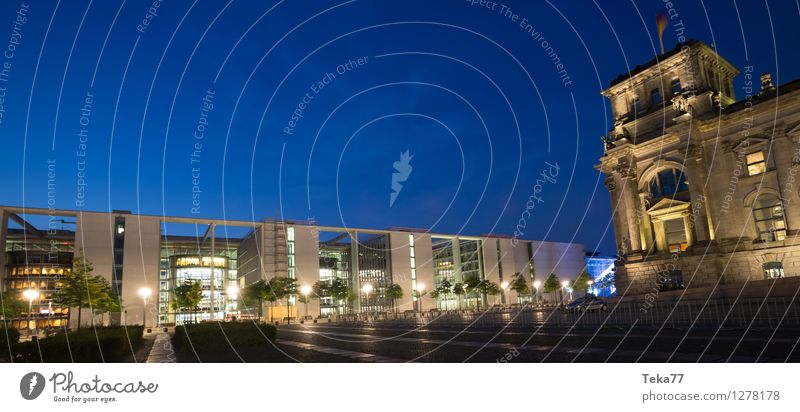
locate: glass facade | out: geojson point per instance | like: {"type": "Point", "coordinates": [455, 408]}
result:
{"type": "Point", "coordinates": [334, 263]}
{"type": "Point", "coordinates": [185, 258]}
{"type": "Point", "coordinates": [40, 271]}
{"type": "Point", "coordinates": [458, 262]}
{"type": "Point", "coordinates": [373, 269]}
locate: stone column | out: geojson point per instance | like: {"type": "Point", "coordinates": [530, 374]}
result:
{"type": "Point", "coordinates": [648, 240]}
{"type": "Point", "coordinates": [696, 177]}
{"type": "Point", "coordinates": [687, 226]}
{"type": "Point", "coordinates": [786, 167]}
{"type": "Point", "coordinates": [727, 210]}
{"type": "Point", "coordinates": [629, 194]}
{"type": "Point", "coordinates": [618, 218]}
{"type": "Point", "coordinates": [661, 235]}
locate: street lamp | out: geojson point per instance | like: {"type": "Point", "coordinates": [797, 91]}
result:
{"type": "Point", "coordinates": [536, 284]}
{"type": "Point", "coordinates": [589, 289]}
{"type": "Point", "coordinates": [564, 285]}
{"type": "Point", "coordinates": [30, 295]}
{"type": "Point", "coordinates": [420, 294]}
{"type": "Point", "coordinates": [144, 293]}
{"type": "Point", "coordinates": [367, 288]}
{"type": "Point", "coordinates": [504, 286]}
{"type": "Point", "coordinates": [305, 290]}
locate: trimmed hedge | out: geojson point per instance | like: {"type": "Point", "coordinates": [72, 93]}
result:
{"type": "Point", "coordinates": [106, 344]}
{"type": "Point", "coordinates": [7, 336]}
{"type": "Point", "coordinates": [220, 336]}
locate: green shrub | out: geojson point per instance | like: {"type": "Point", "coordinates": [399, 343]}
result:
{"type": "Point", "coordinates": [107, 344]}
{"type": "Point", "coordinates": [221, 336]}
{"type": "Point", "coordinates": [7, 336]}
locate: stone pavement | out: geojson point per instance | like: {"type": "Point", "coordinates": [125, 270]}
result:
{"type": "Point", "coordinates": [162, 350]}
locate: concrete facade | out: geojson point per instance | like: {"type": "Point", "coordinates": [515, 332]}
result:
{"type": "Point", "coordinates": [268, 251]}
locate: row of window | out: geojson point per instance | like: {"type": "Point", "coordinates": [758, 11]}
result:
{"type": "Point", "coordinates": [35, 271]}
{"type": "Point", "coordinates": [656, 98]}
{"type": "Point", "coordinates": [673, 280]}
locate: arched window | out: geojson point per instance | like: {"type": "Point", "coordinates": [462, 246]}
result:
{"type": "Point", "coordinates": [669, 182]}
{"type": "Point", "coordinates": [768, 216]}
{"type": "Point", "coordinates": [655, 97]}
{"type": "Point", "coordinates": [676, 87]}
{"type": "Point", "coordinates": [773, 270]}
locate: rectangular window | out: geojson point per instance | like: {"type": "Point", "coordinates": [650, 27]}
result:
{"type": "Point", "coordinates": [773, 270]}
{"type": "Point", "coordinates": [676, 235]}
{"type": "Point", "coordinates": [756, 163]}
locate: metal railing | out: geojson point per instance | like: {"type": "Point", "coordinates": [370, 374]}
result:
{"type": "Point", "coordinates": [729, 314]}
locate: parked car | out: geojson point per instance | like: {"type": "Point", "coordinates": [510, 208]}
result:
{"type": "Point", "coordinates": [588, 302]}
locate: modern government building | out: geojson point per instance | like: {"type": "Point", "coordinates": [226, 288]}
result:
{"type": "Point", "coordinates": [158, 253]}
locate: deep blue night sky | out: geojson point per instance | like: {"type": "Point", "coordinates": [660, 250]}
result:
{"type": "Point", "coordinates": [468, 92]}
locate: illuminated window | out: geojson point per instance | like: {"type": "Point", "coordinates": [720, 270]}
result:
{"type": "Point", "coordinates": [756, 163]}
{"type": "Point", "coordinates": [676, 86]}
{"type": "Point", "coordinates": [676, 235]}
{"type": "Point", "coordinates": [768, 217]}
{"type": "Point", "coordinates": [773, 270]}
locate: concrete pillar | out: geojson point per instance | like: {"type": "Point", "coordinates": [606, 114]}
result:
{"type": "Point", "coordinates": [3, 237]}
{"type": "Point", "coordinates": [354, 272]}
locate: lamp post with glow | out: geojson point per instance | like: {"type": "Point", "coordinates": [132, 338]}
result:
{"type": "Point", "coordinates": [305, 290]}
{"type": "Point", "coordinates": [589, 288]}
{"type": "Point", "coordinates": [504, 286]}
{"type": "Point", "coordinates": [144, 293]}
{"type": "Point", "coordinates": [30, 295]}
{"type": "Point", "coordinates": [536, 284]}
{"type": "Point", "coordinates": [367, 288]}
{"type": "Point", "coordinates": [420, 294]}
{"type": "Point", "coordinates": [564, 285]}
{"type": "Point", "coordinates": [233, 293]}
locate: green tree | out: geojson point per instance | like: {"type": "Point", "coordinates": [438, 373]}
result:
{"type": "Point", "coordinates": [471, 286]}
{"type": "Point", "coordinates": [487, 288]}
{"type": "Point", "coordinates": [394, 292]}
{"type": "Point", "coordinates": [284, 288]}
{"type": "Point", "coordinates": [582, 281]}
{"type": "Point", "coordinates": [253, 293]}
{"type": "Point", "coordinates": [519, 285]}
{"type": "Point", "coordinates": [552, 283]}
{"type": "Point", "coordinates": [107, 301]}
{"type": "Point", "coordinates": [12, 306]}
{"type": "Point", "coordinates": [340, 293]}
{"type": "Point", "coordinates": [188, 296]}
{"type": "Point", "coordinates": [79, 288]}
{"type": "Point", "coordinates": [458, 290]}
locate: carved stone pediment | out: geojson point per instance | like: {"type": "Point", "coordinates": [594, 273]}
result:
{"type": "Point", "coordinates": [667, 207]}
{"type": "Point", "coordinates": [748, 143]}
